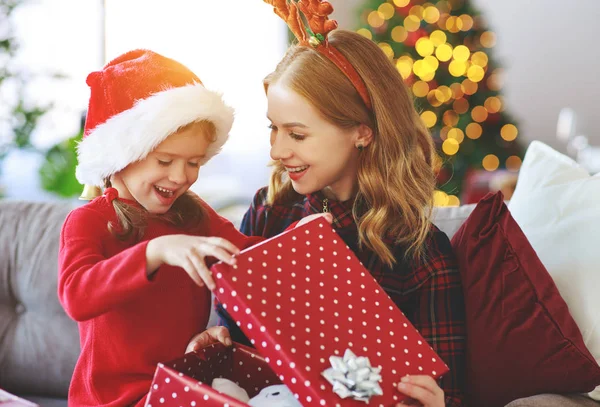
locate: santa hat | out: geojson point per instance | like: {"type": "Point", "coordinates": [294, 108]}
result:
{"type": "Point", "coordinates": [137, 100]}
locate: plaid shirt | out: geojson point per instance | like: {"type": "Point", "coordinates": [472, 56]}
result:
{"type": "Point", "coordinates": [429, 292]}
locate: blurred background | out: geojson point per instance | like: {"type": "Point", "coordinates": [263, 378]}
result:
{"type": "Point", "coordinates": [488, 77]}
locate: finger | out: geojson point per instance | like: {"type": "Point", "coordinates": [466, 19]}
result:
{"type": "Point", "coordinates": [223, 243]}
{"type": "Point", "coordinates": [220, 334]}
{"type": "Point", "coordinates": [198, 342]}
{"type": "Point", "coordinates": [190, 269]}
{"type": "Point", "coordinates": [201, 270]}
{"type": "Point", "coordinates": [424, 381]}
{"type": "Point", "coordinates": [208, 249]}
{"type": "Point", "coordinates": [419, 393]}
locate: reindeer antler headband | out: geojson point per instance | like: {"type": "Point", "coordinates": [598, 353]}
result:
{"type": "Point", "coordinates": [316, 13]}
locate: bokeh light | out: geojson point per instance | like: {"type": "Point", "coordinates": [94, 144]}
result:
{"type": "Point", "coordinates": [438, 38]}
{"type": "Point", "coordinates": [375, 19]}
{"type": "Point", "coordinates": [456, 134]}
{"type": "Point", "coordinates": [461, 53]}
{"type": "Point", "coordinates": [444, 52]}
{"type": "Point", "coordinates": [399, 33]}
{"type": "Point", "coordinates": [401, 3]}
{"type": "Point", "coordinates": [431, 15]}
{"type": "Point", "coordinates": [450, 146]}
{"type": "Point", "coordinates": [493, 104]}
{"type": "Point", "coordinates": [509, 132]}
{"type": "Point", "coordinates": [475, 73]}
{"type": "Point", "coordinates": [424, 46]}
{"type": "Point", "coordinates": [420, 89]}
{"type": "Point", "coordinates": [404, 64]}
{"type": "Point", "coordinates": [479, 114]}
{"type": "Point", "coordinates": [474, 131]}
{"type": "Point", "coordinates": [513, 163]}
{"type": "Point", "coordinates": [488, 39]}
{"type": "Point", "coordinates": [412, 23]}
{"type": "Point", "coordinates": [365, 33]}
{"type": "Point", "coordinates": [429, 118]}
{"type": "Point", "coordinates": [440, 198]}
{"type": "Point", "coordinates": [480, 58]}
{"type": "Point", "coordinates": [490, 162]}
{"type": "Point", "coordinates": [387, 10]}
{"type": "Point", "coordinates": [387, 49]}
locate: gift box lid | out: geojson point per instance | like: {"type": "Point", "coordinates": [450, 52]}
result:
{"type": "Point", "coordinates": [303, 297]}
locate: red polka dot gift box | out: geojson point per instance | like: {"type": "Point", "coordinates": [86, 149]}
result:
{"type": "Point", "coordinates": [323, 325]}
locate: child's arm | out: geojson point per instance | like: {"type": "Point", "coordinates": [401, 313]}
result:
{"type": "Point", "coordinates": [89, 283]}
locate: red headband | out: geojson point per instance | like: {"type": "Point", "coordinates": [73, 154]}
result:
{"type": "Point", "coordinates": [316, 13]}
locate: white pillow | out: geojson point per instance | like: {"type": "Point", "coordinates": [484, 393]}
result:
{"type": "Point", "coordinates": [557, 204]}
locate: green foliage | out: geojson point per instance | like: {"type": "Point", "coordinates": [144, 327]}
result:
{"type": "Point", "coordinates": [57, 173]}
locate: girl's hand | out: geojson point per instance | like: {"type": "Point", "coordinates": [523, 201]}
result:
{"type": "Point", "coordinates": [189, 253]}
{"type": "Point", "coordinates": [328, 217]}
{"type": "Point", "coordinates": [211, 335]}
{"type": "Point", "coordinates": [422, 389]}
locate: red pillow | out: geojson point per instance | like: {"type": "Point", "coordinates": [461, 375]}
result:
{"type": "Point", "coordinates": [521, 338]}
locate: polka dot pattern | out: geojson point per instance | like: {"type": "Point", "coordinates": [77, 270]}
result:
{"type": "Point", "coordinates": [186, 381]}
{"type": "Point", "coordinates": [280, 291]}
{"type": "Point", "coordinates": [295, 286]}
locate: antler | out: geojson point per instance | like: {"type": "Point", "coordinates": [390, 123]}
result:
{"type": "Point", "coordinates": [289, 14]}
{"type": "Point", "coordinates": [317, 15]}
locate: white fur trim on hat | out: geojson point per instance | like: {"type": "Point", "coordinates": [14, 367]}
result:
{"type": "Point", "coordinates": [132, 134]}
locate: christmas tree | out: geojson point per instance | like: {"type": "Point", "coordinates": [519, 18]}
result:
{"type": "Point", "coordinates": [443, 49]}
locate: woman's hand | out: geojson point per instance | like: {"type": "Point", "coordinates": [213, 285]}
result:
{"type": "Point", "coordinates": [211, 335]}
{"type": "Point", "coordinates": [328, 217]}
{"type": "Point", "coordinates": [424, 391]}
{"type": "Point", "coordinates": [189, 253]}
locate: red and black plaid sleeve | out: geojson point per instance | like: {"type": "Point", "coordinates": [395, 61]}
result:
{"type": "Point", "coordinates": [430, 294]}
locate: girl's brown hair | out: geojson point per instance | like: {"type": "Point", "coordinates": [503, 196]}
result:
{"type": "Point", "coordinates": [396, 180]}
{"type": "Point", "coordinates": [186, 211]}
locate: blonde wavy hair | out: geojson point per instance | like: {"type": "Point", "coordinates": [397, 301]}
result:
{"type": "Point", "coordinates": [396, 179]}
{"type": "Point", "coordinates": [187, 210]}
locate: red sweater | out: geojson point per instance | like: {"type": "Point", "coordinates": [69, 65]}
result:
{"type": "Point", "coordinates": [127, 323]}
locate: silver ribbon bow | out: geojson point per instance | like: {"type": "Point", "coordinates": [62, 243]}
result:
{"type": "Point", "coordinates": [353, 376]}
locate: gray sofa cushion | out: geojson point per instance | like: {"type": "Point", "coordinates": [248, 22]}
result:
{"type": "Point", "coordinates": [39, 343]}
{"type": "Point", "coordinates": [554, 400]}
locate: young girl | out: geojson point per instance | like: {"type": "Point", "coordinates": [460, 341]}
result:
{"type": "Point", "coordinates": [346, 139]}
{"type": "Point", "coordinates": [132, 266]}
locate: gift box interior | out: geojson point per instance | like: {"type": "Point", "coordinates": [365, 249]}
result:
{"type": "Point", "coordinates": [306, 303]}
{"type": "Point", "coordinates": [189, 378]}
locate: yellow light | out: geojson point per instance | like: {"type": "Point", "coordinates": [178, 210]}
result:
{"type": "Point", "coordinates": [429, 118]}
{"type": "Point", "coordinates": [461, 106]}
{"type": "Point", "coordinates": [490, 162]}
{"type": "Point", "coordinates": [474, 131]}
{"type": "Point", "coordinates": [431, 15]}
{"type": "Point", "coordinates": [488, 39]}
{"type": "Point", "coordinates": [450, 118]}
{"type": "Point", "coordinates": [424, 46]}
{"type": "Point", "coordinates": [444, 52]}
{"type": "Point", "coordinates": [428, 77]}
{"type": "Point", "coordinates": [399, 33]}
{"type": "Point", "coordinates": [420, 89]}
{"type": "Point", "coordinates": [493, 104]}
{"type": "Point", "coordinates": [440, 198]}
{"type": "Point", "coordinates": [480, 58]}
{"type": "Point", "coordinates": [513, 163]}
{"type": "Point", "coordinates": [375, 19]}
{"type": "Point", "coordinates": [432, 98]}
{"type": "Point", "coordinates": [469, 87]}
{"type": "Point", "coordinates": [461, 53]}
{"type": "Point", "coordinates": [404, 65]}
{"type": "Point", "coordinates": [401, 3]}
{"type": "Point", "coordinates": [438, 37]}
{"type": "Point", "coordinates": [457, 90]}
{"type": "Point", "coordinates": [457, 68]}
{"type": "Point", "coordinates": [456, 134]}
{"type": "Point", "coordinates": [453, 200]}
{"type": "Point", "coordinates": [432, 63]}
{"type": "Point", "coordinates": [387, 10]}
{"type": "Point", "coordinates": [479, 114]}
{"type": "Point", "coordinates": [417, 11]}
{"type": "Point", "coordinates": [450, 146]}
{"type": "Point", "coordinates": [475, 73]}
{"type": "Point", "coordinates": [509, 132]}
{"type": "Point", "coordinates": [447, 92]}
{"type": "Point", "coordinates": [412, 23]}
{"type": "Point", "coordinates": [454, 24]}
{"type": "Point", "coordinates": [387, 49]}
{"type": "Point", "coordinates": [467, 22]}
{"type": "Point", "coordinates": [365, 33]}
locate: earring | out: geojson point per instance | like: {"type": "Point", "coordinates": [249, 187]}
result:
{"type": "Point", "coordinates": [360, 147]}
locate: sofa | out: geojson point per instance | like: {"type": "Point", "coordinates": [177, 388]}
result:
{"type": "Point", "coordinates": [39, 344]}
